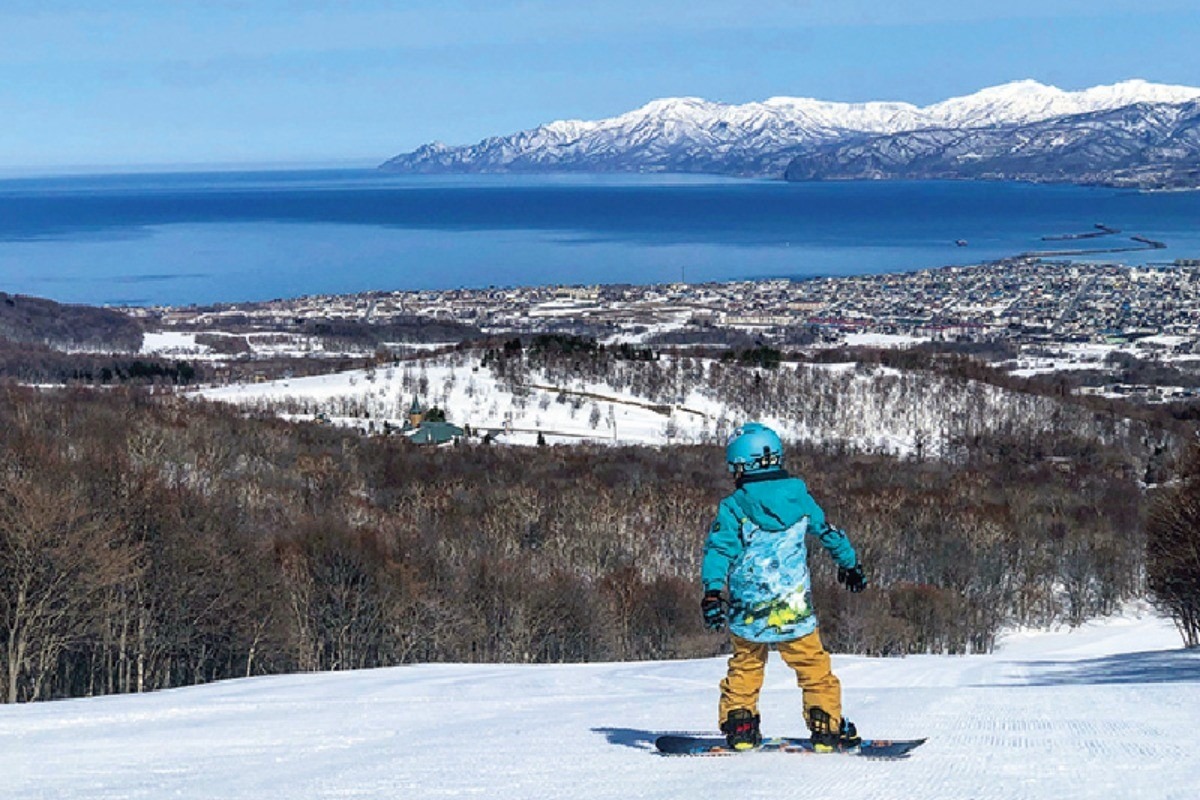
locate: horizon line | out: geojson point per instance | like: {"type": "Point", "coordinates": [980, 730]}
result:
{"type": "Point", "coordinates": [8, 171]}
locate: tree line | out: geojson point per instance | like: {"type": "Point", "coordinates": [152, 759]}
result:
{"type": "Point", "coordinates": [34, 320]}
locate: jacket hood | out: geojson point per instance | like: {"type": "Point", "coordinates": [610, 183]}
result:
{"type": "Point", "coordinates": [775, 503]}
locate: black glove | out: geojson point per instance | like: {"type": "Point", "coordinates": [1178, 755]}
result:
{"type": "Point", "coordinates": [853, 578]}
{"type": "Point", "coordinates": [713, 609]}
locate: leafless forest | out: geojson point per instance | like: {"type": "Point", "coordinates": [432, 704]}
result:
{"type": "Point", "coordinates": [147, 541]}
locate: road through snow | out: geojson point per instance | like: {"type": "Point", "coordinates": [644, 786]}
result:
{"type": "Point", "coordinates": [1111, 710]}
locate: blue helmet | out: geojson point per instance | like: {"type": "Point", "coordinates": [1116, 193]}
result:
{"type": "Point", "coordinates": [754, 448]}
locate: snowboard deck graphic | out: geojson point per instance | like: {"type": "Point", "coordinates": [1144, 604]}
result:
{"type": "Point", "coordinates": [672, 745]}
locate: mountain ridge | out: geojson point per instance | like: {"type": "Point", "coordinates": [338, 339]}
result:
{"type": "Point", "coordinates": [1144, 145]}
{"type": "Point", "coordinates": [765, 138]}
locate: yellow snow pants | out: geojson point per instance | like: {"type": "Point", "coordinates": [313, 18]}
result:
{"type": "Point", "coordinates": [805, 655]}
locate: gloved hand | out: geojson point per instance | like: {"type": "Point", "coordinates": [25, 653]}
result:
{"type": "Point", "coordinates": [712, 606]}
{"type": "Point", "coordinates": [853, 578]}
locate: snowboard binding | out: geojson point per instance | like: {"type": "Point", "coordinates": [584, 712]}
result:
{"type": "Point", "coordinates": [741, 730]}
{"type": "Point", "coordinates": [827, 737]}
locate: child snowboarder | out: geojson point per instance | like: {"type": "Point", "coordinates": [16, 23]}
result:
{"type": "Point", "coordinates": [756, 548]}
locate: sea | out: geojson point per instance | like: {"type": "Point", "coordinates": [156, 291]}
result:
{"type": "Point", "coordinates": [203, 238]}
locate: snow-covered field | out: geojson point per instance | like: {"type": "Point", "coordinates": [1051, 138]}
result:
{"type": "Point", "coordinates": [475, 399]}
{"type": "Point", "coordinates": [1111, 710]}
{"type": "Point", "coordinates": [863, 407]}
{"type": "Point", "coordinates": [184, 344]}
{"type": "Point", "coordinates": [576, 412]}
{"type": "Point", "coordinates": [585, 411]}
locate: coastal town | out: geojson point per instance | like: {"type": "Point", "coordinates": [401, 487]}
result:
{"type": "Point", "coordinates": [1023, 300]}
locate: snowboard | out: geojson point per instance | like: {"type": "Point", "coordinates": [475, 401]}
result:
{"type": "Point", "coordinates": [673, 745]}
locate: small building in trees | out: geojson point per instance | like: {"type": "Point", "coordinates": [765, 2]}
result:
{"type": "Point", "coordinates": [429, 426]}
{"type": "Point", "coordinates": [435, 433]}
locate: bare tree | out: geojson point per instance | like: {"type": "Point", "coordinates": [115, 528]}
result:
{"type": "Point", "coordinates": [58, 558]}
{"type": "Point", "coordinates": [1173, 557]}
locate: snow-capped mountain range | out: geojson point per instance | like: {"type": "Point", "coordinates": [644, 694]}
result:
{"type": "Point", "coordinates": [1146, 144]}
{"type": "Point", "coordinates": [689, 134]}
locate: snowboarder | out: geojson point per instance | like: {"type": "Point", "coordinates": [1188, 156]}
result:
{"type": "Point", "coordinates": [756, 549]}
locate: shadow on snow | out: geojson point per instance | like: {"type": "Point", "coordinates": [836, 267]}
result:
{"type": "Point", "coordinates": [1161, 666]}
{"type": "Point", "coordinates": [638, 739]}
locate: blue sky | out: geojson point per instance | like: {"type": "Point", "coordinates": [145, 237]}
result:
{"type": "Point", "coordinates": [130, 82]}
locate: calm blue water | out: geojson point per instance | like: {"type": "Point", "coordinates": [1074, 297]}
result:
{"type": "Point", "coordinates": [213, 237]}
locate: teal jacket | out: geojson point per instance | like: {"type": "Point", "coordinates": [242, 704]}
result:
{"type": "Point", "coordinates": [757, 549]}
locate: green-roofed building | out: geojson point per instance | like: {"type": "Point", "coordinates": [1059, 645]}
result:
{"type": "Point", "coordinates": [424, 427]}
{"type": "Point", "coordinates": [434, 433]}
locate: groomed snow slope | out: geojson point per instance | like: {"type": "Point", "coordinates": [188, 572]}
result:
{"type": "Point", "coordinates": [1109, 711]}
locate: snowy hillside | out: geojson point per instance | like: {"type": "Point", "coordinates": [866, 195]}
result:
{"type": "Point", "coordinates": [1107, 711]}
{"type": "Point", "coordinates": [1131, 145]}
{"type": "Point", "coordinates": [864, 408]}
{"type": "Point", "coordinates": [694, 135]}
{"type": "Point", "coordinates": [1029, 101]}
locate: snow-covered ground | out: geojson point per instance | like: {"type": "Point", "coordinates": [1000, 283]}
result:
{"type": "Point", "coordinates": [585, 411]}
{"type": "Point", "coordinates": [579, 411]}
{"type": "Point", "coordinates": [1094, 355]}
{"type": "Point", "coordinates": [866, 408]}
{"type": "Point", "coordinates": [172, 343]}
{"type": "Point", "coordinates": [883, 340]}
{"type": "Point", "coordinates": [184, 344]}
{"type": "Point", "coordinates": [1111, 710]}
